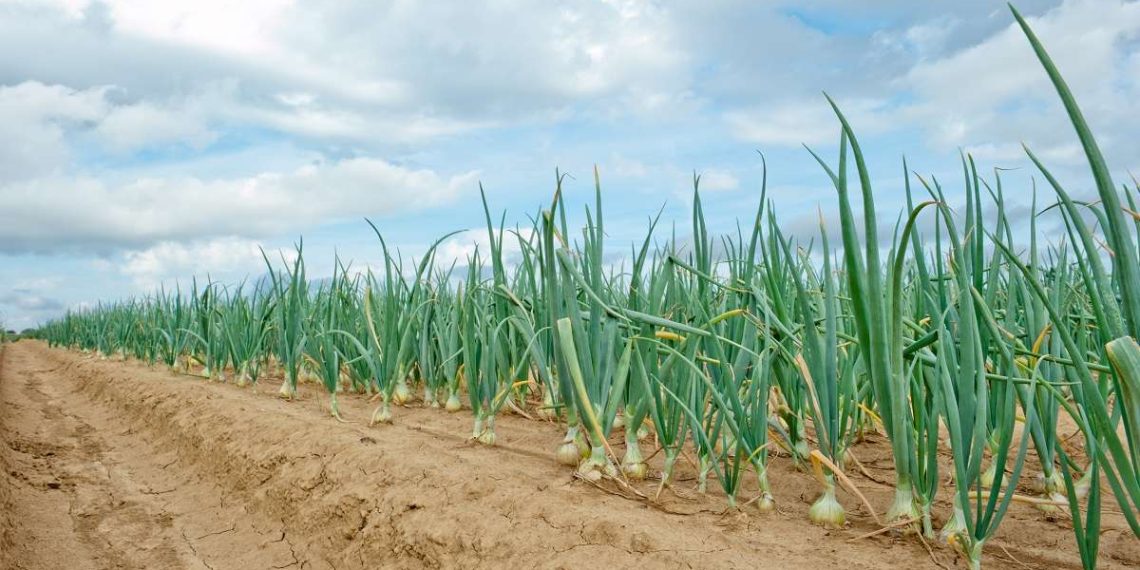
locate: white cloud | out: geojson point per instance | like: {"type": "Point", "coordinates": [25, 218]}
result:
{"type": "Point", "coordinates": [473, 63]}
{"type": "Point", "coordinates": [810, 121]}
{"type": "Point", "coordinates": [132, 127]}
{"type": "Point", "coordinates": [168, 261]}
{"type": "Point", "coordinates": [1005, 153]}
{"type": "Point", "coordinates": [239, 27]}
{"type": "Point", "coordinates": [625, 166]}
{"type": "Point", "coordinates": [996, 93]}
{"type": "Point", "coordinates": [714, 180]}
{"type": "Point", "coordinates": [83, 213]}
{"type": "Point", "coordinates": [34, 119]}
{"type": "Point", "coordinates": [463, 246]}
{"type": "Point", "coordinates": [987, 95]}
{"type": "Point", "coordinates": [924, 40]}
{"type": "Point", "coordinates": [29, 301]}
{"type": "Point", "coordinates": [508, 60]}
{"type": "Point", "coordinates": [46, 120]}
{"type": "Point", "coordinates": [38, 283]}
{"type": "Point", "coordinates": [313, 121]}
{"type": "Point", "coordinates": [113, 127]}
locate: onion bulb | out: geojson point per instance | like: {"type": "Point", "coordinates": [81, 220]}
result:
{"type": "Point", "coordinates": [903, 506]}
{"type": "Point", "coordinates": [453, 404]}
{"type": "Point", "coordinates": [286, 391]}
{"type": "Point", "coordinates": [382, 415]}
{"type": "Point", "coordinates": [987, 479]}
{"type": "Point", "coordinates": [573, 448]}
{"type": "Point", "coordinates": [487, 438]}
{"type": "Point", "coordinates": [1084, 484]}
{"type": "Point", "coordinates": [633, 465]}
{"type": "Point", "coordinates": [401, 395]}
{"type": "Point", "coordinates": [826, 510]}
{"type": "Point", "coordinates": [596, 465]}
{"type": "Point", "coordinates": [568, 453]}
{"type": "Point", "coordinates": [766, 503]}
{"type": "Point", "coordinates": [1051, 487]}
{"type": "Point", "coordinates": [487, 435]}
{"type": "Point", "coordinates": [801, 449]}
{"type": "Point", "coordinates": [243, 378]}
{"type": "Point", "coordinates": [955, 526]}
{"type": "Point", "coordinates": [429, 397]}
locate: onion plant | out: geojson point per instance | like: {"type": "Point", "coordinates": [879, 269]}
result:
{"type": "Point", "coordinates": [247, 323]}
{"type": "Point", "coordinates": [831, 388]}
{"type": "Point", "coordinates": [392, 310]}
{"type": "Point", "coordinates": [291, 289]}
{"type": "Point", "coordinates": [1117, 319]}
{"type": "Point", "coordinates": [876, 308]}
{"type": "Point", "coordinates": [445, 335]}
{"type": "Point", "coordinates": [325, 348]}
{"type": "Point", "coordinates": [173, 324]}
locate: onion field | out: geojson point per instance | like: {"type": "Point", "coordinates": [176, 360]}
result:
{"type": "Point", "coordinates": [941, 327]}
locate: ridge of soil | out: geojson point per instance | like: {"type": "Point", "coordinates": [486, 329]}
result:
{"type": "Point", "coordinates": [117, 465]}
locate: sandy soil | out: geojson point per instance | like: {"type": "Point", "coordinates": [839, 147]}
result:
{"type": "Point", "coordinates": [116, 465]}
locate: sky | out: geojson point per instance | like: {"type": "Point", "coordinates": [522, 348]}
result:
{"type": "Point", "coordinates": [145, 143]}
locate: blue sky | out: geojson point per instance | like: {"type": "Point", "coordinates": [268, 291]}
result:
{"type": "Point", "coordinates": [147, 142]}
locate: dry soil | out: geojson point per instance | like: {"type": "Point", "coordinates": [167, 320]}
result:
{"type": "Point", "coordinates": [116, 465]}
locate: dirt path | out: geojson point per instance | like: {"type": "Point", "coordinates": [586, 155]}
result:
{"type": "Point", "coordinates": [90, 492]}
{"type": "Point", "coordinates": [116, 465]}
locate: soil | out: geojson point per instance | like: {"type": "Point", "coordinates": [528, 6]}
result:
{"type": "Point", "coordinates": [117, 465]}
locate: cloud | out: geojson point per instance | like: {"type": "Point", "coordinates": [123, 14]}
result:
{"type": "Point", "coordinates": [157, 138]}
{"type": "Point", "coordinates": [35, 119]}
{"type": "Point", "coordinates": [26, 299]}
{"type": "Point", "coordinates": [193, 78]}
{"type": "Point", "coordinates": [29, 301]}
{"type": "Point", "coordinates": [49, 121]}
{"type": "Point", "coordinates": [626, 167]}
{"type": "Point", "coordinates": [923, 40]}
{"type": "Point", "coordinates": [38, 283]}
{"type": "Point", "coordinates": [168, 261]}
{"type": "Point", "coordinates": [715, 180]}
{"type": "Point", "coordinates": [63, 213]}
{"type": "Point", "coordinates": [133, 127]}
{"type": "Point", "coordinates": [462, 247]}
{"type": "Point", "coordinates": [959, 79]}
{"type": "Point", "coordinates": [996, 93]}
{"type": "Point", "coordinates": [787, 124]}
{"type": "Point", "coordinates": [512, 60]}
{"type": "Point", "coordinates": [244, 28]}
{"type": "Point", "coordinates": [509, 62]}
